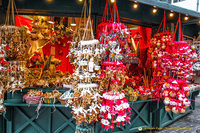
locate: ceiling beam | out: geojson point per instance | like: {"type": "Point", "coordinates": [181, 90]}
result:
{"type": "Point", "coordinates": [167, 6]}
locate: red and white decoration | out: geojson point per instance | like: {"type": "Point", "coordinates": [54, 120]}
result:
{"type": "Point", "coordinates": [175, 93]}
{"type": "Point", "coordinates": [115, 109]}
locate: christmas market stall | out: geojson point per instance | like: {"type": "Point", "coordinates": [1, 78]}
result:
{"type": "Point", "coordinates": [95, 66]}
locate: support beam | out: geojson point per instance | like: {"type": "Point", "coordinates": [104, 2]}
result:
{"type": "Point", "coordinates": [167, 6]}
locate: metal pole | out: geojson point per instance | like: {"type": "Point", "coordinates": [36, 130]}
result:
{"type": "Point", "coordinates": [197, 5]}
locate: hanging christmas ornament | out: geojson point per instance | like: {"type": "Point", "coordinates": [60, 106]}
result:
{"type": "Point", "coordinates": [13, 38]}
{"type": "Point", "coordinates": [13, 53]}
{"type": "Point", "coordinates": [176, 89]}
{"type": "Point", "coordinates": [115, 110]}
{"type": "Point", "coordinates": [86, 56]}
{"type": "Point", "coordinates": [159, 54]}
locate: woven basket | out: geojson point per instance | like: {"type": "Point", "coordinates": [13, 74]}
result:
{"type": "Point", "coordinates": [50, 100]}
{"type": "Point", "coordinates": [63, 102]}
{"type": "Point", "coordinates": [143, 97]}
{"type": "Point", "coordinates": [132, 98]}
{"type": "Point", "coordinates": [32, 100]}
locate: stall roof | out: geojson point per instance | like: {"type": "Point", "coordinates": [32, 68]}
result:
{"type": "Point", "coordinates": [168, 6]}
{"type": "Point", "coordinates": [141, 16]}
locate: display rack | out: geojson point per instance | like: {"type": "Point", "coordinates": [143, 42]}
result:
{"type": "Point", "coordinates": [56, 118]}
{"type": "Point", "coordinates": [163, 118]}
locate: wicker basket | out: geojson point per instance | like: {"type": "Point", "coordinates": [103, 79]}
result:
{"type": "Point", "coordinates": [62, 101]}
{"type": "Point", "coordinates": [150, 97]}
{"type": "Point", "coordinates": [32, 100]}
{"type": "Point", "coordinates": [132, 98]}
{"type": "Point", "coordinates": [143, 97]}
{"type": "Point", "coordinates": [50, 100]}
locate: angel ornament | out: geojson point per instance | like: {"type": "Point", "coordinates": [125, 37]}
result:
{"type": "Point", "coordinates": [91, 65]}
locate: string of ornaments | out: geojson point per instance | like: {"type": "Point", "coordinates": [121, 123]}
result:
{"type": "Point", "coordinates": [172, 64]}
{"type": "Point", "coordinates": [86, 53]}
{"type": "Point", "coordinates": [176, 90]}
{"type": "Point", "coordinates": [159, 55]}
{"type": "Point", "coordinates": [115, 110]}
{"type": "Point", "coordinates": [12, 76]}
{"type": "Point", "coordinates": [86, 99]}
{"type": "Point", "coordinates": [13, 51]}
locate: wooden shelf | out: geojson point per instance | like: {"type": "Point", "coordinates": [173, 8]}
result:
{"type": "Point", "coordinates": [18, 103]}
{"type": "Point", "coordinates": [46, 89]}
